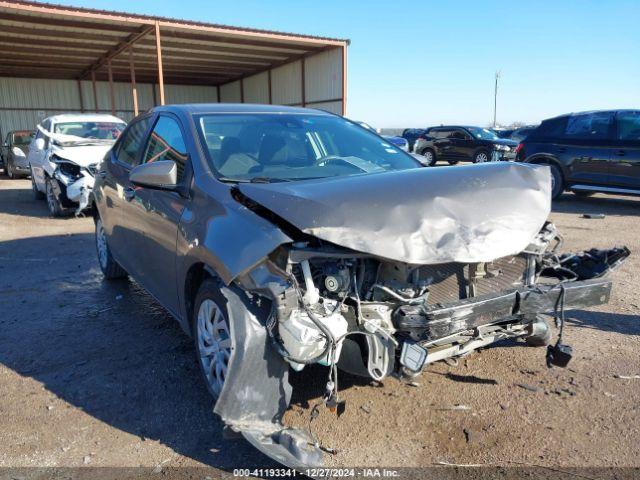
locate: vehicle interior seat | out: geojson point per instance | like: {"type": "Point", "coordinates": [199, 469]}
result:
{"type": "Point", "coordinates": [231, 160]}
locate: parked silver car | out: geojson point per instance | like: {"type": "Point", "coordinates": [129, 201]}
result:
{"type": "Point", "coordinates": [14, 153]}
{"type": "Point", "coordinates": [281, 237]}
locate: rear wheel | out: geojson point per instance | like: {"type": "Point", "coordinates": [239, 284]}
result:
{"type": "Point", "coordinates": [212, 335]}
{"type": "Point", "coordinates": [557, 181]}
{"type": "Point", "coordinates": [110, 268]}
{"type": "Point", "coordinates": [429, 157]}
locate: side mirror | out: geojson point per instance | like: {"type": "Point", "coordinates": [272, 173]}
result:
{"type": "Point", "coordinates": [162, 174]}
{"type": "Point", "coordinates": [17, 152]}
{"type": "Point", "coordinates": [39, 143]}
{"type": "Point", "coordinates": [5, 144]}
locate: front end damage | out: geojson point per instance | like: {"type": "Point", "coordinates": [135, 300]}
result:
{"type": "Point", "coordinates": [315, 301]}
{"type": "Point", "coordinates": [73, 183]}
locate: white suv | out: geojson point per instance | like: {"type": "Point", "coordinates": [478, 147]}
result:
{"type": "Point", "coordinates": [63, 157]}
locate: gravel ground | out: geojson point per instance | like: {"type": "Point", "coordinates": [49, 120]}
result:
{"type": "Point", "coordinates": [97, 374]}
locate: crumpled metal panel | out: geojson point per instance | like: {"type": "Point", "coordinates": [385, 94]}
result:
{"type": "Point", "coordinates": [474, 213]}
{"type": "Point", "coordinates": [257, 392]}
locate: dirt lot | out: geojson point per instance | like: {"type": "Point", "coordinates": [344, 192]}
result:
{"type": "Point", "coordinates": [97, 374]}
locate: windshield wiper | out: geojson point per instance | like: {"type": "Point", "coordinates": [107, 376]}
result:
{"type": "Point", "coordinates": [268, 180]}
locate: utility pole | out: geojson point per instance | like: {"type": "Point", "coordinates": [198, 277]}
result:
{"type": "Point", "coordinates": [495, 98]}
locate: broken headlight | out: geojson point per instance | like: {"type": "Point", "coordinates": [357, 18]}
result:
{"type": "Point", "coordinates": [66, 172]}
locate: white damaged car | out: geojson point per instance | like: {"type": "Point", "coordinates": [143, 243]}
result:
{"type": "Point", "coordinates": [64, 155]}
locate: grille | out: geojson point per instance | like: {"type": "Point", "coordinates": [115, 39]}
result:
{"type": "Point", "coordinates": [447, 282]}
{"type": "Point", "coordinates": [505, 273]}
{"type": "Point", "coordinates": [451, 281]}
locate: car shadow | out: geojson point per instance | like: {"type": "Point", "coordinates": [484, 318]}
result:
{"type": "Point", "coordinates": [604, 321]}
{"type": "Point", "coordinates": [109, 350]}
{"type": "Point", "coordinates": [598, 203]}
{"type": "Point", "coordinates": [16, 198]}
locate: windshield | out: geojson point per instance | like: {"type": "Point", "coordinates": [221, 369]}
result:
{"type": "Point", "coordinates": [282, 147]}
{"type": "Point", "coordinates": [482, 133]}
{"type": "Point", "coordinates": [92, 130]}
{"type": "Point", "coordinates": [23, 138]}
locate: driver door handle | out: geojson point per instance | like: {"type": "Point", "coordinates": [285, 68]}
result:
{"type": "Point", "coordinates": [129, 193]}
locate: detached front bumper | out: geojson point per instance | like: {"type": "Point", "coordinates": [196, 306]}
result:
{"type": "Point", "coordinates": [579, 281]}
{"type": "Point", "coordinates": [438, 321]}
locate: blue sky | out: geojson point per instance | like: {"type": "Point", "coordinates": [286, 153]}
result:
{"type": "Point", "coordinates": [429, 62]}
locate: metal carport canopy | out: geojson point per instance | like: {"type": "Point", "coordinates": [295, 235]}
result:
{"type": "Point", "coordinates": [40, 40]}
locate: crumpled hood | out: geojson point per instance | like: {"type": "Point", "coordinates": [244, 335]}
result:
{"type": "Point", "coordinates": [83, 155]}
{"type": "Point", "coordinates": [467, 214]}
{"type": "Point", "coordinates": [505, 141]}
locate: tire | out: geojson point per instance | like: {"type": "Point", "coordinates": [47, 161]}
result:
{"type": "Point", "coordinates": [55, 209]}
{"type": "Point", "coordinates": [541, 333]}
{"type": "Point", "coordinates": [481, 156]}
{"type": "Point", "coordinates": [212, 335]}
{"type": "Point", "coordinates": [557, 181]}
{"type": "Point", "coordinates": [429, 157]}
{"type": "Point", "coordinates": [37, 194]}
{"type": "Point", "coordinates": [110, 268]}
{"type": "Point", "coordinates": [583, 194]}
{"type": "Point", "coordinates": [9, 171]}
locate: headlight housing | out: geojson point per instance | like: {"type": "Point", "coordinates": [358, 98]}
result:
{"type": "Point", "coordinates": [67, 172]}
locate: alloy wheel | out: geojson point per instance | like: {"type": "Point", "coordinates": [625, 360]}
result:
{"type": "Point", "coordinates": [51, 198]}
{"type": "Point", "coordinates": [482, 158]}
{"type": "Point", "coordinates": [214, 344]}
{"type": "Point", "coordinates": [101, 244]}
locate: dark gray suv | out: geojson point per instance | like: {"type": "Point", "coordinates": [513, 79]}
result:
{"type": "Point", "coordinates": [588, 152]}
{"type": "Point", "coordinates": [281, 237]}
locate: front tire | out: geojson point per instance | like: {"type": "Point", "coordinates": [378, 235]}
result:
{"type": "Point", "coordinates": [110, 268]}
{"type": "Point", "coordinates": [9, 171]}
{"type": "Point", "coordinates": [481, 156]}
{"type": "Point", "coordinates": [212, 335]}
{"type": "Point", "coordinates": [55, 209]}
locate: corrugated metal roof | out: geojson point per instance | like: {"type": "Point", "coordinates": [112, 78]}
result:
{"type": "Point", "coordinates": [150, 18]}
{"type": "Point", "coordinates": [46, 40]}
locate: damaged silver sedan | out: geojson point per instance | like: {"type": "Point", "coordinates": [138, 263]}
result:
{"type": "Point", "coordinates": [282, 237]}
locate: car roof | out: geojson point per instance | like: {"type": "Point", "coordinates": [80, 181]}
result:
{"type": "Point", "coordinates": [84, 117]}
{"type": "Point", "coordinates": [586, 112]}
{"type": "Point", "coordinates": [456, 126]}
{"type": "Point", "coordinates": [202, 108]}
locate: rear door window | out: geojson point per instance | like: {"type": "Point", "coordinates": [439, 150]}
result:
{"type": "Point", "coordinates": [129, 148]}
{"type": "Point", "coordinates": [589, 126]}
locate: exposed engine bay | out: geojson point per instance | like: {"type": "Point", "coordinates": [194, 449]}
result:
{"type": "Point", "coordinates": [373, 307]}
{"type": "Point", "coordinates": [375, 317]}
